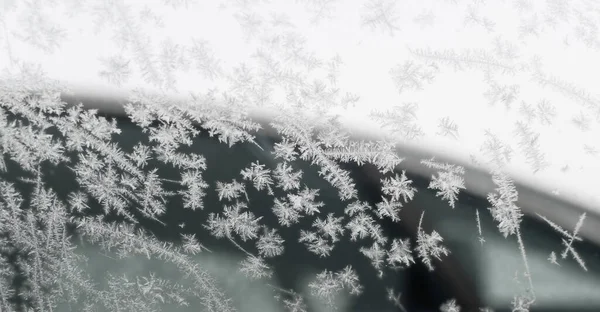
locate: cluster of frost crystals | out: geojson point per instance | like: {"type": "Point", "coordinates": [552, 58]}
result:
{"type": "Point", "coordinates": [118, 194]}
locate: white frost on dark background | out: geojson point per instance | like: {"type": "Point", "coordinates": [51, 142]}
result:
{"type": "Point", "coordinates": [500, 84]}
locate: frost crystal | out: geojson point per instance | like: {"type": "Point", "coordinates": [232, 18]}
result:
{"type": "Point", "coordinates": [246, 144]}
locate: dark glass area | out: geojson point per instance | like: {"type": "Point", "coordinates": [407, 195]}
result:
{"type": "Point", "coordinates": [475, 274]}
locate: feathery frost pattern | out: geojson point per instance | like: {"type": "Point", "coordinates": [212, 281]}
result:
{"type": "Point", "coordinates": [158, 179]}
